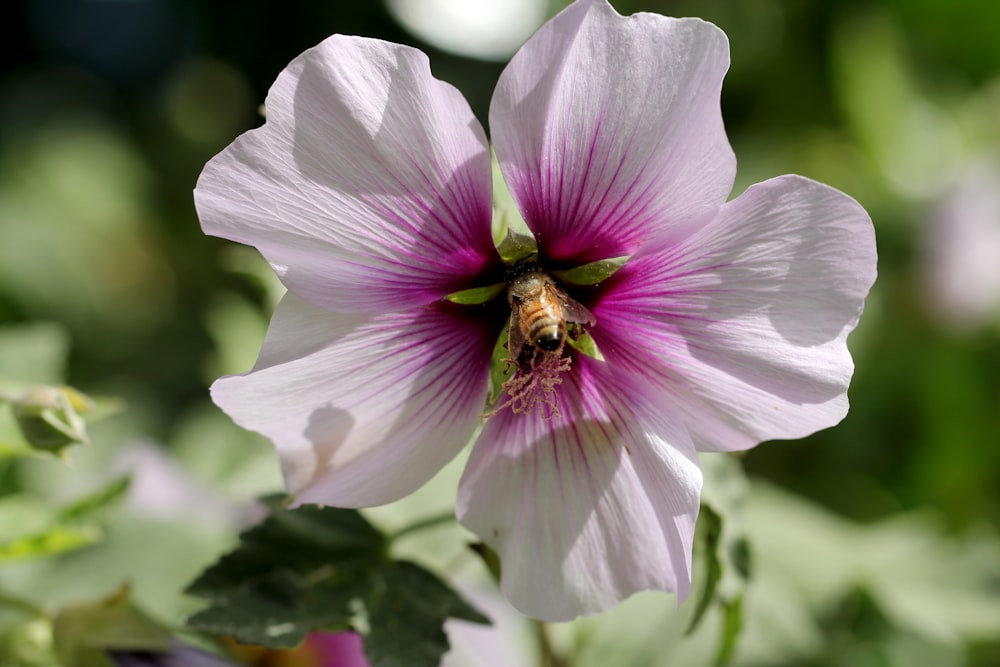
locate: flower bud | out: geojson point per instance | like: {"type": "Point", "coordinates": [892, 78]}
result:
{"type": "Point", "coordinates": [50, 418]}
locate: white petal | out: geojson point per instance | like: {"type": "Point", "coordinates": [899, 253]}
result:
{"type": "Point", "coordinates": [369, 187]}
{"type": "Point", "coordinates": [608, 128]}
{"type": "Point", "coordinates": [744, 322]}
{"type": "Point", "coordinates": [362, 411]}
{"type": "Point", "coordinates": [588, 507]}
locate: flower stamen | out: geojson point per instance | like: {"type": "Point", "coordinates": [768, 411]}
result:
{"type": "Point", "coordinates": [534, 384]}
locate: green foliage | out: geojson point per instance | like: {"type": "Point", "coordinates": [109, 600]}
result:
{"type": "Point", "coordinates": [32, 353]}
{"type": "Point", "coordinates": [888, 100]}
{"type": "Point", "coordinates": [32, 528]}
{"type": "Point", "coordinates": [84, 633]}
{"type": "Point", "coordinates": [724, 546]}
{"type": "Point", "coordinates": [324, 569]}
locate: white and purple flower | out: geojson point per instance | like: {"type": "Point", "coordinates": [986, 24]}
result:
{"type": "Point", "coordinates": [369, 191]}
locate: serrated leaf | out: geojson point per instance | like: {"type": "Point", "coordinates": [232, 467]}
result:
{"type": "Point", "coordinates": [303, 541]}
{"type": "Point", "coordinates": [279, 609]}
{"type": "Point", "coordinates": [324, 569]}
{"type": "Point", "coordinates": [407, 609]}
{"type": "Point", "coordinates": [297, 571]}
{"type": "Point", "coordinates": [591, 273]}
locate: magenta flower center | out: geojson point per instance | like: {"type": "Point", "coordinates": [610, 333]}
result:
{"type": "Point", "coordinates": [543, 319]}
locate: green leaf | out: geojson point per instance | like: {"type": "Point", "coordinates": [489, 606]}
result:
{"type": "Point", "coordinates": [28, 644]}
{"type": "Point", "coordinates": [298, 571]}
{"type": "Point", "coordinates": [732, 623]}
{"type": "Point", "coordinates": [278, 609]}
{"type": "Point", "coordinates": [33, 529]}
{"type": "Point", "coordinates": [407, 607]}
{"type": "Point", "coordinates": [83, 632]}
{"type": "Point", "coordinates": [592, 273]}
{"type": "Point", "coordinates": [306, 541]}
{"type": "Point", "coordinates": [325, 569]}
{"type": "Point", "coordinates": [477, 295]}
{"type": "Point", "coordinates": [55, 540]}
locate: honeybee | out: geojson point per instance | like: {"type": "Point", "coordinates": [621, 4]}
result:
{"type": "Point", "coordinates": [539, 311]}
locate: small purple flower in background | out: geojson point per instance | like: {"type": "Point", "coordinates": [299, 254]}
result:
{"type": "Point", "coordinates": [369, 191]}
{"type": "Point", "coordinates": [335, 649]}
{"type": "Point", "coordinates": [178, 656]}
{"type": "Point", "coordinates": [962, 248]}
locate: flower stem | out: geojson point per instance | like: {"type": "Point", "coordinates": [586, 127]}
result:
{"type": "Point", "coordinates": [549, 657]}
{"type": "Point", "coordinates": [423, 524]}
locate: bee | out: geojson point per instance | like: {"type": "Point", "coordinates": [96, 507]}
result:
{"type": "Point", "coordinates": [539, 311]}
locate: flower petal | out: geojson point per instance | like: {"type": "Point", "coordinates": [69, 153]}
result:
{"type": "Point", "coordinates": [368, 188]}
{"type": "Point", "coordinates": [363, 410]}
{"type": "Point", "coordinates": [588, 507]}
{"type": "Point", "coordinates": [607, 128]}
{"type": "Point", "coordinates": [744, 321]}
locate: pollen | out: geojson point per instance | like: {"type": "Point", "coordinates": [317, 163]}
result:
{"type": "Point", "coordinates": [533, 384]}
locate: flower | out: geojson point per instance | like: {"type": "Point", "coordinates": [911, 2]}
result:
{"type": "Point", "coordinates": [962, 248]}
{"type": "Point", "coordinates": [179, 655]}
{"type": "Point", "coordinates": [368, 190]}
{"type": "Point", "coordinates": [319, 649]}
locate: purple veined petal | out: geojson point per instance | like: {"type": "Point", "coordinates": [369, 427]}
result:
{"type": "Point", "coordinates": [363, 410]}
{"type": "Point", "coordinates": [589, 507]}
{"type": "Point", "coordinates": [368, 188]}
{"type": "Point", "coordinates": [609, 128]}
{"type": "Point", "coordinates": [744, 321]}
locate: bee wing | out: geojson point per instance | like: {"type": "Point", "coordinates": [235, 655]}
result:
{"type": "Point", "coordinates": [574, 311]}
{"type": "Point", "coordinates": [515, 337]}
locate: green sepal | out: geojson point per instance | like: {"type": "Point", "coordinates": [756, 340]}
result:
{"type": "Point", "coordinates": [477, 295]}
{"type": "Point", "coordinates": [511, 236]}
{"type": "Point", "coordinates": [52, 417]}
{"type": "Point", "coordinates": [585, 344]}
{"type": "Point", "coordinates": [592, 273]}
{"type": "Point", "coordinates": [501, 369]}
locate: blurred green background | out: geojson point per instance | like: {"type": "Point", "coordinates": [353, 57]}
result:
{"type": "Point", "coordinates": [109, 109]}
